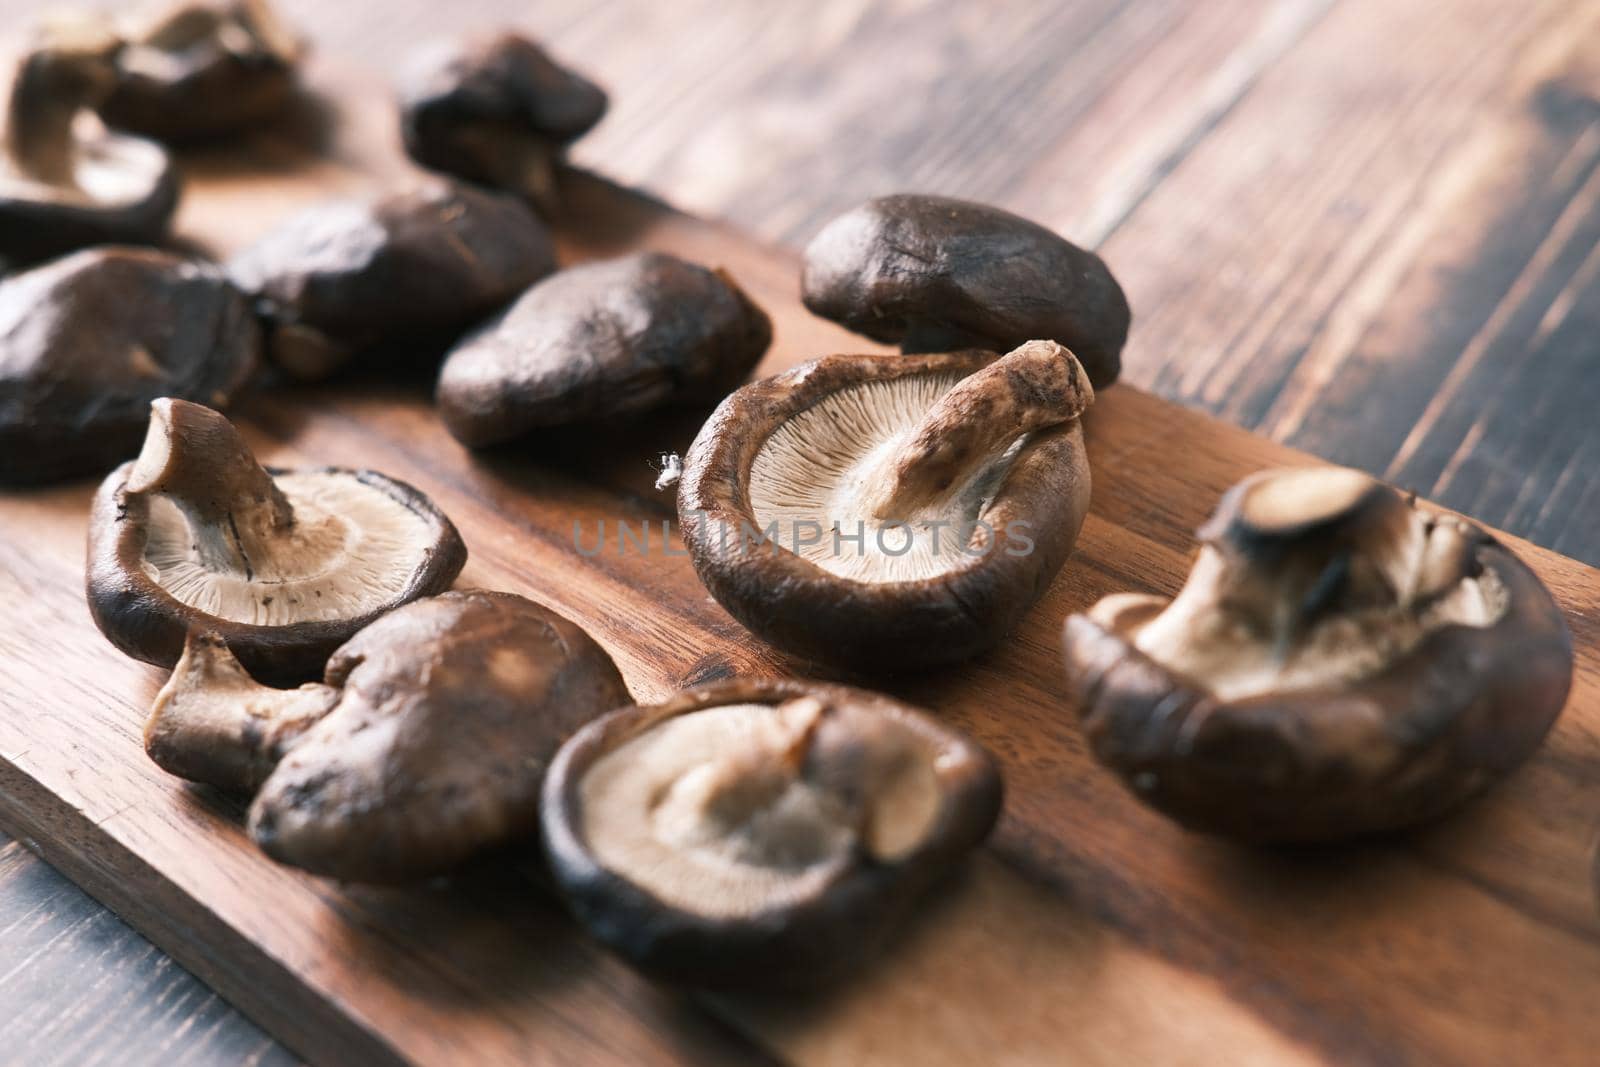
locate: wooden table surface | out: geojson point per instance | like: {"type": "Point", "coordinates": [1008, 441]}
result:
{"type": "Point", "coordinates": [1368, 228]}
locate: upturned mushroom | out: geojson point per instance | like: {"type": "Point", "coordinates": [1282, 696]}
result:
{"type": "Point", "coordinates": [933, 274]}
{"type": "Point", "coordinates": [496, 109]}
{"type": "Point", "coordinates": [424, 745]}
{"type": "Point", "coordinates": [413, 266]}
{"type": "Point", "coordinates": [1340, 662]}
{"type": "Point", "coordinates": [87, 342]}
{"type": "Point", "coordinates": [283, 565]}
{"type": "Point", "coordinates": [202, 68]}
{"type": "Point", "coordinates": [880, 513]}
{"type": "Point", "coordinates": [66, 181]}
{"type": "Point", "coordinates": [760, 832]}
{"type": "Point", "coordinates": [617, 337]}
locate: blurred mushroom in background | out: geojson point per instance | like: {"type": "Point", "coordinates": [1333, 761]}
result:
{"type": "Point", "coordinates": [202, 68]}
{"type": "Point", "coordinates": [497, 109]}
{"type": "Point", "coordinates": [65, 180]}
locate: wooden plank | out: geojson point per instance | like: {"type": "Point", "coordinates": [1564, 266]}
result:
{"type": "Point", "coordinates": [1091, 929]}
{"type": "Point", "coordinates": [1386, 254]}
{"type": "Point", "coordinates": [726, 108]}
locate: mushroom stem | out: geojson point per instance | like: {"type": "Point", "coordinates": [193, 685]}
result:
{"type": "Point", "coordinates": [265, 25]}
{"type": "Point", "coordinates": [193, 456]}
{"type": "Point", "coordinates": [215, 724]}
{"type": "Point", "coordinates": [1292, 547]}
{"type": "Point", "coordinates": [244, 27]}
{"type": "Point", "coordinates": [515, 160]}
{"type": "Point", "coordinates": [732, 789]}
{"type": "Point", "coordinates": [1038, 385]}
{"type": "Point", "coordinates": [182, 26]}
{"type": "Point", "coordinates": [70, 70]}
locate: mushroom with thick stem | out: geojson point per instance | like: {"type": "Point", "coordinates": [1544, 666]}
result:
{"type": "Point", "coordinates": [424, 745]}
{"type": "Point", "coordinates": [496, 109]}
{"type": "Point", "coordinates": [66, 181]}
{"type": "Point", "coordinates": [933, 274]}
{"type": "Point", "coordinates": [601, 340]}
{"type": "Point", "coordinates": [760, 832]}
{"type": "Point", "coordinates": [202, 68]}
{"type": "Point", "coordinates": [88, 341]}
{"type": "Point", "coordinates": [890, 512]}
{"type": "Point", "coordinates": [415, 266]}
{"type": "Point", "coordinates": [1339, 662]}
{"type": "Point", "coordinates": [282, 565]}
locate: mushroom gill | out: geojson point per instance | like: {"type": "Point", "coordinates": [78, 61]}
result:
{"type": "Point", "coordinates": [889, 480]}
{"type": "Point", "coordinates": [241, 544]}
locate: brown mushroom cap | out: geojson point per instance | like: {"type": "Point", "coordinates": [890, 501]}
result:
{"type": "Point", "coordinates": [963, 473]}
{"type": "Point", "coordinates": [65, 181]}
{"type": "Point", "coordinates": [352, 274]}
{"type": "Point", "coordinates": [283, 565]}
{"type": "Point", "coordinates": [760, 832]}
{"type": "Point", "coordinates": [201, 68]}
{"type": "Point", "coordinates": [496, 109]}
{"type": "Point", "coordinates": [617, 337]}
{"type": "Point", "coordinates": [932, 274]}
{"type": "Point", "coordinates": [447, 712]}
{"type": "Point", "coordinates": [1340, 662]}
{"type": "Point", "coordinates": [87, 342]}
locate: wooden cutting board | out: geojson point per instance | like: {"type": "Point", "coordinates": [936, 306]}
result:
{"type": "Point", "coordinates": [1089, 931]}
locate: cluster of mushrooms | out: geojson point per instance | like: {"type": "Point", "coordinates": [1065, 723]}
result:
{"type": "Point", "coordinates": [1340, 661]}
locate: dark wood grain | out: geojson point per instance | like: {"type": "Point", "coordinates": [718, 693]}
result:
{"type": "Point", "coordinates": [1090, 929]}
{"type": "Point", "coordinates": [81, 988]}
{"type": "Point", "coordinates": [1386, 253]}
{"type": "Point", "coordinates": [1366, 228]}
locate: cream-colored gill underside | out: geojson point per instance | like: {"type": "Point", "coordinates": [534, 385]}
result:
{"type": "Point", "coordinates": [643, 817]}
{"type": "Point", "coordinates": [357, 549]}
{"type": "Point", "coordinates": [108, 171]}
{"type": "Point", "coordinates": [814, 471]}
{"type": "Point", "coordinates": [1200, 638]}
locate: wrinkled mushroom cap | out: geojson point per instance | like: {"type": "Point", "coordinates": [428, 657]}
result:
{"type": "Point", "coordinates": [890, 512]}
{"type": "Point", "coordinates": [445, 714]}
{"type": "Point", "coordinates": [1339, 662]}
{"type": "Point", "coordinates": [495, 109]}
{"type": "Point", "coordinates": [605, 339]}
{"type": "Point", "coordinates": [283, 565]}
{"type": "Point", "coordinates": [87, 342]}
{"type": "Point", "coordinates": [200, 68]}
{"type": "Point", "coordinates": [757, 831]}
{"type": "Point", "coordinates": [351, 274]}
{"type": "Point", "coordinates": [930, 273]}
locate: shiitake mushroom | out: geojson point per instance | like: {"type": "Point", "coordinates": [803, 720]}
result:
{"type": "Point", "coordinates": [424, 744]}
{"type": "Point", "coordinates": [67, 182]}
{"type": "Point", "coordinates": [88, 341]}
{"type": "Point", "coordinates": [193, 69]}
{"type": "Point", "coordinates": [412, 266]}
{"type": "Point", "coordinates": [933, 274]}
{"type": "Point", "coordinates": [282, 565]}
{"type": "Point", "coordinates": [1341, 661]}
{"type": "Point", "coordinates": [760, 832]}
{"type": "Point", "coordinates": [497, 109]}
{"type": "Point", "coordinates": [883, 513]}
{"type": "Point", "coordinates": [602, 340]}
